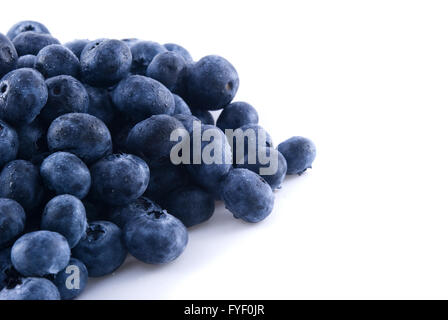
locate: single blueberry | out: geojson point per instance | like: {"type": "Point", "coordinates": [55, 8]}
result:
{"type": "Point", "coordinates": [180, 106]}
{"type": "Point", "coordinates": [212, 83]}
{"type": "Point", "coordinates": [12, 221]}
{"type": "Point", "coordinates": [155, 238]}
{"type": "Point", "coordinates": [31, 289]}
{"type": "Point", "coordinates": [247, 195]}
{"type": "Point", "coordinates": [76, 46]}
{"type": "Point", "coordinates": [120, 215]}
{"type": "Point", "coordinates": [190, 204]}
{"type": "Point", "coordinates": [119, 179]}
{"type": "Point", "coordinates": [65, 95]}
{"type": "Point", "coordinates": [9, 143]}
{"type": "Point", "coordinates": [180, 50]}
{"type": "Point", "coordinates": [102, 250]}
{"type": "Point", "coordinates": [105, 62]}
{"type": "Point", "coordinates": [100, 104]}
{"type": "Point", "coordinates": [81, 134]}
{"type": "Point", "coordinates": [55, 60]}
{"type": "Point", "coordinates": [165, 68]}
{"type": "Point", "coordinates": [142, 54]}
{"type": "Point", "coordinates": [165, 177]}
{"type": "Point", "coordinates": [140, 97]}
{"type": "Point", "coordinates": [31, 42]}
{"type": "Point", "coordinates": [23, 94]}
{"type": "Point", "coordinates": [236, 115]}
{"type": "Point", "coordinates": [204, 116]}
{"type": "Point", "coordinates": [8, 55]}
{"type": "Point", "coordinates": [299, 153]}
{"type": "Point", "coordinates": [27, 25]}
{"type": "Point", "coordinates": [32, 141]}
{"type": "Point", "coordinates": [40, 253]}
{"type": "Point", "coordinates": [72, 280]}
{"type": "Point", "coordinates": [26, 61]}
{"type": "Point", "coordinates": [20, 181]}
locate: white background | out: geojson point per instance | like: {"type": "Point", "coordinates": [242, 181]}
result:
{"type": "Point", "coordinates": [367, 81]}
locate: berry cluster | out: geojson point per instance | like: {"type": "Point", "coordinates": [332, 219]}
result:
{"type": "Point", "coordinates": [86, 157]}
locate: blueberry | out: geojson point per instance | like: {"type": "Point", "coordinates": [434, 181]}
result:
{"type": "Point", "coordinates": [24, 26]}
{"type": "Point", "coordinates": [179, 50]}
{"type": "Point", "coordinates": [166, 68]}
{"type": "Point", "coordinates": [252, 136]}
{"type": "Point", "coordinates": [105, 62]}
{"type": "Point", "coordinates": [9, 143]}
{"type": "Point", "coordinates": [150, 138]}
{"type": "Point", "coordinates": [65, 95]}
{"type": "Point", "coordinates": [236, 115]}
{"type": "Point", "coordinates": [204, 116]}
{"type": "Point", "coordinates": [76, 46]}
{"type": "Point", "coordinates": [102, 250]}
{"type": "Point", "coordinates": [119, 179]}
{"type": "Point", "coordinates": [72, 281]}
{"type": "Point", "coordinates": [120, 215]}
{"type": "Point", "coordinates": [142, 54]}
{"type": "Point", "coordinates": [8, 55]}
{"type": "Point", "coordinates": [299, 153]}
{"type": "Point", "coordinates": [55, 60]}
{"type": "Point", "coordinates": [32, 141]}
{"type": "Point", "coordinates": [165, 177]}
{"type": "Point", "coordinates": [26, 61]}
{"type": "Point", "coordinates": [247, 195]}
{"type": "Point", "coordinates": [130, 41]}
{"type": "Point", "coordinates": [40, 253]}
{"type": "Point", "coordinates": [12, 221]}
{"type": "Point", "coordinates": [20, 181]}
{"type": "Point", "coordinates": [6, 268]}
{"type": "Point", "coordinates": [190, 204]}
{"type": "Point", "coordinates": [100, 104]}
{"type": "Point", "coordinates": [180, 106]}
{"type": "Point", "coordinates": [212, 83]}
{"type": "Point", "coordinates": [81, 134]}
{"type": "Point", "coordinates": [140, 97]}
{"type": "Point", "coordinates": [155, 238]}
{"type": "Point", "coordinates": [31, 289]}
{"type": "Point", "coordinates": [23, 94]}
{"type": "Point", "coordinates": [187, 121]}
{"type": "Point", "coordinates": [274, 178]}
{"type": "Point", "coordinates": [66, 215]}
{"type": "Point", "coordinates": [31, 42]}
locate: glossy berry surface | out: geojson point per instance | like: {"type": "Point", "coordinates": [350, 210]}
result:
{"type": "Point", "coordinates": [299, 153]}
{"type": "Point", "coordinates": [166, 68]}
{"type": "Point", "coordinates": [26, 61]}
{"type": "Point", "coordinates": [9, 143]}
{"type": "Point", "coordinates": [142, 54]}
{"type": "Point", "coordinates": [121, 215]}
{"type": "Point", "coordinates": [236, 115]}
{"type": "Point", "coordinates": [12, 221]}
{"type": "Point", "coordinates": [31, 42]}
{"type": "Point", "coordinates": [76, 46]}
{"type": "Point", "coordinates": [8, 55]}
{"type": "Point", "coordinates": [31, 289]}
{"type": "Point", "coordinates": [27, 25]}
{"type": "Point", "coordinates": [55, 60]}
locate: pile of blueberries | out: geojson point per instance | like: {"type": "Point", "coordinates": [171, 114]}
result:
{"type": "Point", "coordinates": [86, 175]}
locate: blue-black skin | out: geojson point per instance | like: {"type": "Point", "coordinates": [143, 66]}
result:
{"type": "Point", "coordinates": [12, 221]}
{"type": "Point", "coordinates": [105, 62]}
{"type": "Point", "coordinates": [102, 250]}
{"type": "Point", "coordinates": [275, 180]}
{"type": "Point", "coordinates": [165, 177]}
{"type": "Point", "coordinates": [248, 196]}
{"type": "Point", "coordinates": [31, 42]}
{"type": "Point", "coordinates": [65, 173]}
{"type": "Point", "coordinates": [150, 138]}
{"type": "Point", "coordinates": [236, 115]}
{"type": "Point", "coordinates": [155, 238]}
{"type": "Point", "coordinates": [76, 46]}
{"type": "Point", "coordinates": [24, 26]}
{"type": "Point", "coordinates": [142, 54]}
{"type": "Point", "coordinates": [23, 94]}
{"type": "Point", "coordinates": [187, 121]}
{"type": "Point", "coordinates": [212, 82]}
{"type": "Point", "coordinates": [165, 68]}
{"type": "Point", "coordinates": [26, 61]}
{"type": "Point", "coordinates": [204, 116]}
{"type": "Point", "coordinates": [55, 60]}
{"type": "Point", "coordinates": [75, 269]}
{"type": "Point", "coordinates": [81, 134]}
{"type": "Point", "coordinates": [9, 143]}
{"type": "Point", "coordinates": [180, 106]}
{"type": "Point", "coordinates": [254, 133]}
{"type": "Point", "coordinates": [40, 253]}
{"type": "Point", "coordinates": [100, 104]}
{"type": "Point", "coordinates": [32, 141]}
{"type": "Point", "coordinates": [190, 204]}
{"type": "Point", "coordinates": [65, 95]}
{"type": "Point", "coordinates": [119, 179]}
{"type": "Point", "coordinates": [299, 153]}
{"type": "Point", "coordinates": [8, 55]}
{"type": "Point", "coordinates": [20, 181]}
{"type": "Point", "coordinates": [66, 215]}
{"type": "Point", "coordinates": [140, 97]}
{"type": "Point", "coordinates": [120, 128]}
{"type": "Point", "coordinates": [31, 289]}
{"type": "Point", "coordinates": [180, 50]}
{"type": "Point", "coordinates": [120, 215]}
{"type": "Point", "coordinates": [6, 268]}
